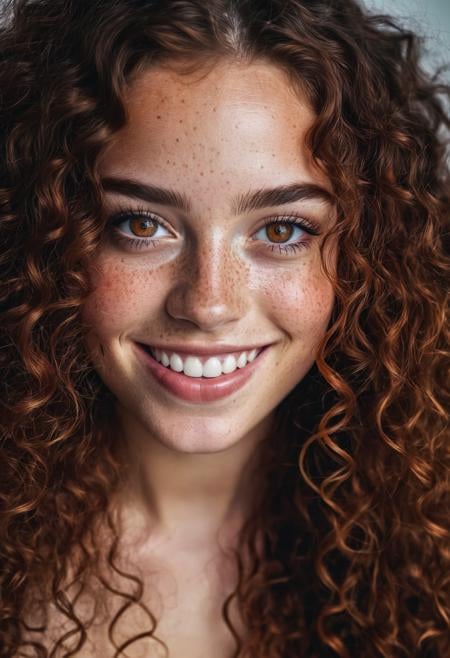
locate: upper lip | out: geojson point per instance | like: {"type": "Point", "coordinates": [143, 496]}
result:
{"type": "Point", "coordinates": [204, 350]}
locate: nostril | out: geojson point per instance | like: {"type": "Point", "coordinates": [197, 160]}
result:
{"type": "Point", "coordinates": [202, 308]}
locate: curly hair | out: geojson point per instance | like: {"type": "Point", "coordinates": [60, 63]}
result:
{"type": "Point", "coordinates": [346, 552]}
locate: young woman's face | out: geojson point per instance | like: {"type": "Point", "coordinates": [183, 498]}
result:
{"type": "Point", "coordinates": [205, 269]}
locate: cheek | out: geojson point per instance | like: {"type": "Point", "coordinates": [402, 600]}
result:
{"type": "Point", "coordinates": [122, 296]}
{"type": "Point", "coordinates": [300, 302]}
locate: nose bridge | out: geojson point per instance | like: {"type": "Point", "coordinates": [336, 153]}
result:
{"type": "Point", "coordinates": [212, 269]}
{"type": "Point", "coordinates": [210, 287]}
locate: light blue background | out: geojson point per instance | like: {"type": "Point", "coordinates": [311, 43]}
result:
{"type": "Point", "coordinates": [429, 18]}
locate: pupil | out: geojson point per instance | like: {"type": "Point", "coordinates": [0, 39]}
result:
{"type": "Point", "coordinates": [143, 227]}
{"type": "Point", "coordinates": [279, 232]}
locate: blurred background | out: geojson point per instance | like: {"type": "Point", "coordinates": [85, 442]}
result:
{"type": "Point", "coordinates": [429, 18]}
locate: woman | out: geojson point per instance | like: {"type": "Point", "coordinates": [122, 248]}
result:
{"type": "Point", "coordinates": [224, 340]}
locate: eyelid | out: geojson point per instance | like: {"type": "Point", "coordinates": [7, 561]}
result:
{"type": "Point", "coordinates": [293, 218]}
{"type": "Point", "coordinates": [123, 213]}
{"type": "Point", "coordinates": [313, 228]}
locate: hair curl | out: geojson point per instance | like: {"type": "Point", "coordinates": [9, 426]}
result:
{"type": "Point", "coordinates": [352, 512]}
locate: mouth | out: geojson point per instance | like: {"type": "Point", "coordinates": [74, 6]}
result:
{"type": "Point", "coordinates": [208, 366]}
{"type": "Point", "coordinates": [201, 378]}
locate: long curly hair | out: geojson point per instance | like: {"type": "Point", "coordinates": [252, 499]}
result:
{"type": "Point", "coordinates": [346, 551]}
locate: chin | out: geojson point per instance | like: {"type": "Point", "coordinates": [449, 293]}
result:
{"type": "Point", "coordinates": [190, 434]}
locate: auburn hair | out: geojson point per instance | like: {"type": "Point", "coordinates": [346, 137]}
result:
{"type": "Point", "coordinates": [352, 508]}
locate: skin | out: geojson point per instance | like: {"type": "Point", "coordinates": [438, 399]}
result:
{"type": "Point", "coordinates": [211, 136]}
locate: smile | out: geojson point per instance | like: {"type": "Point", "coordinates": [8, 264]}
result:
{"type": "Point", "coordinates": [196, 378]}
{"type": "Point", "coordinates": [197, 366]}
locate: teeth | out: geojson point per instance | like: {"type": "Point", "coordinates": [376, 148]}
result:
{"type": "Point", "coordinates": [252, 355]}
{"type": "Point", "coordinates": [229, 364]}
{"type": "Point", "coordinates": [213, 367]}
{"type": "Point", "coordinates": [192, 367]}
{"type": "Point", "coordinates": [176, 363]}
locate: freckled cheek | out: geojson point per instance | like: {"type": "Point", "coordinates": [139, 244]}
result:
{"type": "Point", "coordinates": [300, 305]}
{"type": "Point", "coordinates": [121, 300]}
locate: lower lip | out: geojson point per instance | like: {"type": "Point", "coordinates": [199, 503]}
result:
{"type": "Point", "coordinates": [200, 389]}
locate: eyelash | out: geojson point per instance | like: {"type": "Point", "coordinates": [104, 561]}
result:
{"type": "Point", "coordinates": [293, 219]}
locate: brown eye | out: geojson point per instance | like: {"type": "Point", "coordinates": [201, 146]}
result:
{"type": "Point", "coordinates": [143, 227]}
{"type": "Point", "coordinates": [279, 232]}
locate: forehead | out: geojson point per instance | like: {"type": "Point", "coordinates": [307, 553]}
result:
{"type": "Point", "coordinates": [226, 83]}
{"type": "Point", "coordinates": [232, 119]}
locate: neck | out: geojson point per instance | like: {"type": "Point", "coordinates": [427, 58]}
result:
{"type": "Point", "coordinates": [187, 496]}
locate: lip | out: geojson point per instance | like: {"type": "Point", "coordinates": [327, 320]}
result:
{"type": "Point", "coordinates": [219, 349]}
{"type": "Point", "coordinates": [199, 389]}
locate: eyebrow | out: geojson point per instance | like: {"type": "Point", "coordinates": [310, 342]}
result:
{"type": "Point", "coordinates": [252, 200]}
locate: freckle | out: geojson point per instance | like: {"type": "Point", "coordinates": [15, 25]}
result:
{"type": "Point", "coordinates": [182, 100]}
{"type": "Point", "coordinates": [195, 127]}
{"type": "Point", "coordinates": [158, 116]}
{"type": "Point", "coordinates": [262, 167]}
{"type": "Point", "coordinates": [180, 121]}
{"type": "Point", "coordinates": [176, 139]}
{"type": "Point", "coordinates": [201, 173]}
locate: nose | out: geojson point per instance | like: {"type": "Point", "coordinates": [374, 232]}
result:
{"type": "Point", "coordinates": [209, 288]}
